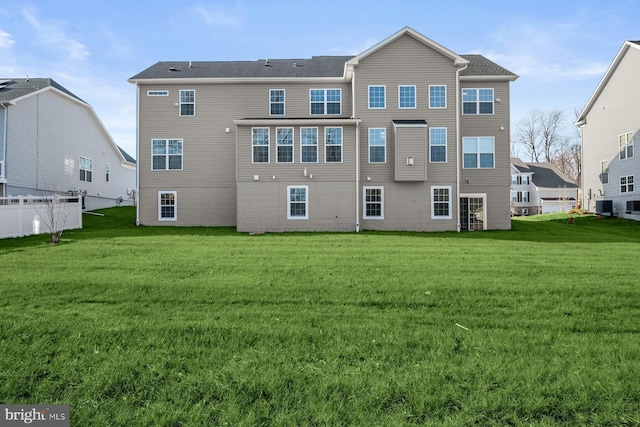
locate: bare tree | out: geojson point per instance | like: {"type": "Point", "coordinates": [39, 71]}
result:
{"type": "Point", "coordinates": [550, 125]}
{"type": "Point", "coordinates": [527, 134]}
{"type": "Point", "coordinates": [55, 214]}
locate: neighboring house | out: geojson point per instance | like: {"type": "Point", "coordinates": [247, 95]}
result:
{"type": "Point", "coordinates": [408, 135]}
{"type": "Point", "coordinates": [53, 141]}
{"type": "Point", "coordinates": [610, 122]}
{"type": "Point", "coordinates": [538, 188]}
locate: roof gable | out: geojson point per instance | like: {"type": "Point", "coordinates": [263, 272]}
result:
{"type": "Point", "coordinates": [626, 46]}
{"type": "Point", "coordinates": [13, 89]}
{"type": "Point", "coordinates": [457, 59]}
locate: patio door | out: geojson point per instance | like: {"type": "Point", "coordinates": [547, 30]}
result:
{"type": "Point", "coordinates": [473, 212]}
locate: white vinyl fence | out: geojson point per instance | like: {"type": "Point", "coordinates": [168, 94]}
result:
{"type": "Point", "coordinates": [27, 215]}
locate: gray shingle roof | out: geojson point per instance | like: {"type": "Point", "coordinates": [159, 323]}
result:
{"type": "Point", "coordinates": [481, 66]}
{"type": "Point", "coordinates": [544, 174]}
{"type": "Point", "coordinates": [15, 88]}
{"type": "Point", "coordinates": [126, 155]}
{"type": "Point", "coordinates": [317, 66]}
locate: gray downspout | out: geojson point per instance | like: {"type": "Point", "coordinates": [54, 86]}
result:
{"type": "Point", "coordinates": [458, 142]}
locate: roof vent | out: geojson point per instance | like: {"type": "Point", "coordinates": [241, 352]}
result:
{"type": "Point", "coordinates": [266, 63]}
{"type": "Point", "coordinates": [173, 69]}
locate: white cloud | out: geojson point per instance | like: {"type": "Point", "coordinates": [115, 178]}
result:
{"type": "Point", "coordinates": [6, 40]}
{"type": "Point", "coordinates": [215, 16]}
{"type": "Point", "coordinates": [52, 34]}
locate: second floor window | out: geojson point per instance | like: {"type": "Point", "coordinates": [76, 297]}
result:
{"type": "Point", "coordinates": [284, 144]}
{"type": "Point", "coordinates": [166, 154]}
{"type": "Point", "coordinates": [406, 97]}
{"type": "Point", "coordinates": [626, 145]}
{"type": "Point", "coordinates": [86, 169]}
{"type": "Point", "coordinates": [604, 171]}
{"type": "Point", "coordinates": [437, 145]}
{"type": "Point", "coordinates": [437, 96]}
{"type": "Point", "coordinates": [626, 184]}
{"type": "Point", "coordinates": [477, 101]}
{"type": "Point", "coordinates": [187, 102]}
{"type": "Point", "coordinates": [260, 143]}
{"type": "Point", "coordinates": [326, 101]}
{"type": "Point", "coordinates": [377, 98]}
{"type": "Point", "coordinates": [333, 145]}
{"type": "Point", "coordinates": [377, 145]}
{"type": "Point", "coordinates": [276, 102]}
{"type": "Point", "coordinates": [107, 172]}
{"type": "Point", "coordinates": [478, 152]}
{"type": "Point", "coordinates": [309, 145]}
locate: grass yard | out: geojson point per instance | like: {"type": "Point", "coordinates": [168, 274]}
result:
{"type": "Point", "coordinates": [161, 326]}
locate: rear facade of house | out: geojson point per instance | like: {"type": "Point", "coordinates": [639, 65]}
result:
{"type": "Point", "coordinates": [405, 136]}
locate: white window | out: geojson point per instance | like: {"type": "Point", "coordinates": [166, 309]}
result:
{"type": "Point", "coordinates": [260, 144]}
{"type": "Point", "coordinates": [333, 145]}
{"type": "Point", "coordinates": [373, 202]}
{"type": "Point", "coordinates": [525, 196]}
{"type": "Point", "coordinates": [604, 171]}
{"type": "Point", "coordinates": [377, 145]}
{"type": "Point", "coordinates": [440, 202]}
{"type": "Point", "coordinates": [626, 145]}
{"type": "Point", "coordinates": [284, 145]}
{"type": "Point", "coordinates": [406, 96]}
{"type": "Point", "coordinates": [438, 96]}
{"type": "Point", "coordinates": [514, 179]}
{"type": "Point", "coordinates": [188, 102]}
{"type": "Point", "coordinates": [166, 154]}
{"type": "Point", "coordinates": [626, 184]}
{"type": "Point", "coordinates": [437, 145]}
{"type": "Point", "coordinates": [377, 98]}
{"type": "Point", "coordinates": [309, 145]}
{"type": "Point", "coordinates": [477, 101]}
{"type": "Point", "coordinates": [297, 202]}
{"type": "Point", "coordinates": [157, 93]}
{"type": "Point", "coordinates": [107, 172]}
{"type": "Point", "coordinates": [167, 206]}
{"type": "Point", "coordinates": [478, 152]}
{"type": "Point", "coordinates": [325, 101]}
{"type": "Point", "coordinates": [276, 102]}
{"type": "Point", "coordinates": [86, 169]}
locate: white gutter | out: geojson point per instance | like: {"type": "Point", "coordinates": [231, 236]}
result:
{"type": "Point", "coordinates": [4, 149]}
{"type": "Point", "coordinates": [353, 115]}
{"type": "Point", "coordinates": [137, 198]}
{"type": "Point", "coordinates": [458, 143]}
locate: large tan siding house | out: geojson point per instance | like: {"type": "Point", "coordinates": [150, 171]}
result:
{"type": "Point", "coordinates": [407, 135]}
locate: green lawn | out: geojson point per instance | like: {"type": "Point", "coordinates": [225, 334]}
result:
{"type": "Point", "coordinates": [162, 326]}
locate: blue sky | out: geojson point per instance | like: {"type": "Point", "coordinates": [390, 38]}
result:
{"type": "Point", "coordinates": [560, 49]}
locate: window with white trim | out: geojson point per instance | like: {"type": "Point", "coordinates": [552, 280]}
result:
{"type": "Point", "coordinates": [188, 102]}
{"type": "Point", "coordinates": [260, 144]}
{"type": "Point", "coordinates": [297, 202]}
{"type": "Point", "coordinates": [626, 145]}
{"type": "Point", "coordinates": [478, 152]}
{"type": "Point", "coordinates": [438, 145]}
{"type": "Point", "coordinates": [284, 145]}
{"type": "Point", "coordinates": [373, 202]}
{"type": "Point", "coordinates": [377, 98]}
{"type": "Point", "coordinates": [604, 171]}
{"type": "Point", "coordinates": [276, 102]}
{"type": "Point", "coordinates": [437, 96]}
{"type": "Point", "coordinates": [166, 154]}
{"type": "Point", "coordinates": [309, 145]}
{"type": "Point", "coordinates": [477, 101]}
{"type": "Point", "coordinates": [626, 184]}
{"type": "Point", "coordinates": [86, 169]}
{"type": "Point", "coordinates": [333, 145]}
{"type": "Point", "coordinates": [407, 96]}
{"type": "Point", "coordinates": [440, 202]}
{"type": "Point", "coordinates": [107, 172]}
{"type": "Point", "coordinates": [167, 206]}
{"type": "Point", "coordinates": [325, 101]}
{"type": "Point", "coordinates": [377, 145]}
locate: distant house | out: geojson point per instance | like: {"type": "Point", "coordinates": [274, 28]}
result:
{"type": "Point", "coordinates": [407, 135]}
{"type": "Point", "coordinates": [610, 122]}
{"type": "Point", "coordinates": [538, 188]}
{"type": "Point", "coordinates": [51, 140]}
